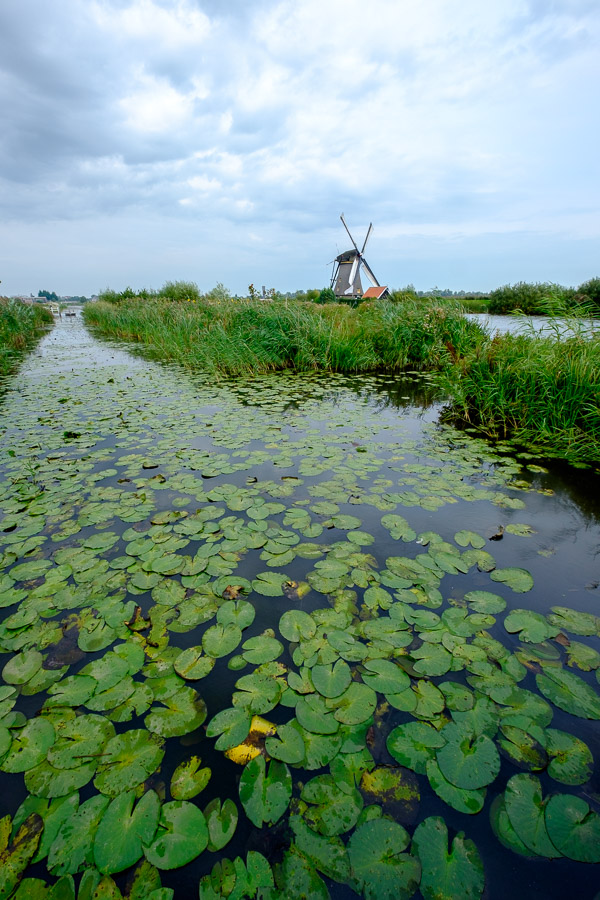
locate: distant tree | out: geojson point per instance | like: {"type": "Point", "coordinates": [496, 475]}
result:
{"type": "Point", "coordinates": [325, 296]}
{"type": "Point", "coordinates": [51, 296]}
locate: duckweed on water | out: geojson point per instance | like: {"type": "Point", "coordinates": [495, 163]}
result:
{"type": "Point", "coordinates": [225, 628]}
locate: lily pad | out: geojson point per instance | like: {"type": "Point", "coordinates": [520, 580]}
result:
{"type": "Point", "coordinates": [519, 580]}
{"type": "Point", "coordinates": [573, 828]}
{"type": "Point", "coordinates": [128, 759]}
{"type": "Point", "coordinates": [331, 680]}
{"type": "Point", "coordinates": [335, 807]}
{"type": "Point", "coordinates": [22, 667]}
{"type": "Point", "coordinates": [232, 725]}
{"type": "Point", "coordinates": [465, 801]}
{"type": "Point", "coordinates": [29, 746]}
{"type": "Point", "coordinates": [448, 873]}
{"type": "Point", "coordinates": [571, 761]}
{"type": "Point", "coordinates": [265, 793]}
{"type": "Point", "coordinates": [189, 779]}
{"type": "Point", "coordinates": [525, 808]}
{"type": "Point", "coordinates": [221, 819]}
{"type": "Point", "coordinates": [379, 867]}
{"type": "Point", "coordinates": [123, 831]}
{"type": "Point", "coordinates": [569, 692]}
{"type": "Point", "coordinates": [413, 744]}
{"type": "Point", "coordinates": [468, 760]}
{"type": "Point", "coordinates": [221, 640]}
{"type": "Point", "coordinates": [531, 626]}
{"type": "Point", "coordinates": [181, 836]}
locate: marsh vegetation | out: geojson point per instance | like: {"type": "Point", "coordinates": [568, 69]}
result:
{"type": "Point", "coordinates": [21, 325]}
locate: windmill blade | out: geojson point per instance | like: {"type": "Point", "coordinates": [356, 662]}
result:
{"type": "Point", "coordinates": [348, 230]}
{"type": "Point", "coordinates": [367, 237]}
{"type": "Point", "coordinates": [352, 276]}
{"type": "Point", "coordinates": [369, 274]}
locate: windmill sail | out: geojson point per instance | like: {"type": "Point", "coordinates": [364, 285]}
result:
{"type": "Point", "coordinates": [345, 280]}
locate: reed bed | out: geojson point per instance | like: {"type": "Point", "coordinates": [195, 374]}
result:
{"type": "Point", "coordinates": [20, 326]}
{"type": "Point", "coordinates": [539, 392]}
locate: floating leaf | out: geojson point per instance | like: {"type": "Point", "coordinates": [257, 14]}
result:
{"type": "Point", "coordinates": [123, 831]}
{"type": "Point", "coordinates": [183, 712]}
{"type": "Point", "coordinates": [531, 626]}
{"type": "Point", "coordinates": [525, 809]}
{"type": "Point", "coordinates": [469, 538]}
{"type": "Point", "coordinates": [380, 870]}
{"type": "Point", "coordinates": [393, 788]}
{"type": "Point", "coordinates": [385, 676]}
{"type": "Point", "coordinates": [22, 667]}
{"type": "Point", "coordinates": [447, 873]}
{"type": "Point", "coordinates": [181, 836]}
{"type": "Point", "coordinates": [461, 799]}
{"type": "Point", "coordinates": [80, 740]}
{"type": "Point", "coordinates": [573, 828]}
{"type": "Point", "coordinates": [571, 761]}
{"type": "Point", "coordinates": [413, 744]}
{"type": "Point", "coordinates": [288, 746]}
{"type": "Point", "coordinates": [296, 624]}
{"type": "Point", "coordinates": [232, 725]}
{"type": "Point", "coordinates": [192, 664]}
{"type": "Point", "coordinates": [221, 820]}
{"type": "Point", "coordinates": [327, 854]}
{"type": "Point", "coordinates": [468, 760]}
{"type": "Point", "coordinates": [127, 760]}
{"type": "Point", "coordinates": [265, 793]}
{"type": "Point", "coordinates": [261, 649]}
{"type": "Point", "coordinates": [331, 680]}
{"type": "Point", "coordinates": [336, 806]}
{"type": "Point", "coordinates": [221, 640]}
{"type": "Point", "coordinates": [29, 746]}
{"type": "Point", "coordinates": [519, 580]}
{"type": "Point", "coordinates": [257, 694]}
{"type": "Point", "coordinates": [189, 779]}
{"type": "Point", "coordinates": [485, 602]}
{"type": "Point", "coordinates": [355, 705]}
{"type": "Point", "coordinates": [569, 692]}
{"type": "Point", "coordinates": [15, 858]}
{"type": "Point", "coordinates": [72, 849]}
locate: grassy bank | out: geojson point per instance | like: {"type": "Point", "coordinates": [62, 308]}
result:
{"type": "Point", "coordinates": [20, 326]}
{"type": "Point", "coordinates": [248, 337]}
{"type": "Point", "coordinates": [538, 391]}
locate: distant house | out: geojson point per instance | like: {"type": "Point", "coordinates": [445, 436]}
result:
{"type": "Point", "coordinates": [376, 293]}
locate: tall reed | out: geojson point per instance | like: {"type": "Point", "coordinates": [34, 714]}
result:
{"type": "Point", "coordinates": [21, 325]}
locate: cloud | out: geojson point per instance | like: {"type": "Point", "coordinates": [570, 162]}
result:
{"type": "Point", "coordinates": [443, 120]}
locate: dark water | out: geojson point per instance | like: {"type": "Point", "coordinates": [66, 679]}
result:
{"type": "Point", "coordinates": [89, 426]}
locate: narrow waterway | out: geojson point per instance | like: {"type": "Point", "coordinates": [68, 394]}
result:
{"type": "Point", "coordinates": [415, 612]}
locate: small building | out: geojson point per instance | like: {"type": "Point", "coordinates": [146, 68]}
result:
{"type": "Point", "coordinates": [376, 293]}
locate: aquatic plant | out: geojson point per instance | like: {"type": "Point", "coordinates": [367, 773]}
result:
{"type": "Point", "coordinates": [21, 324]}
{"type": "Point", "coordinates": [261, 613]}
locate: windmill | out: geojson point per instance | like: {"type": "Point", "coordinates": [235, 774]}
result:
{"type": "Point", "coordinates": [345, 280]}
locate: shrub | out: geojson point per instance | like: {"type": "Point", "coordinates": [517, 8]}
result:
{"type": "Point", "coordinates": [325, 296]}
{"type": "Point", "coordinates": [179, 290]}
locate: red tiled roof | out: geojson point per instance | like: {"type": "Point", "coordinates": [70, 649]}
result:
{"type": "Point", "coordinates": [374, 293]}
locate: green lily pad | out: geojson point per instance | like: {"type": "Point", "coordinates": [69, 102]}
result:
{"type": "Point", "coordinates": [379, 867]}
{"type": "Point", "coordinates": [261, 649]}
{"type": "Point", "coordinates": [485, 602]}
{"type": "Point", "coordinates": [181, 713]}
{"type": "Point", "coordinates": [22, 667]}
{"type": "Point", "coordinates": [297, 877]}
{"type": "Point", "coordinates": [569, 692]}
{"type": "Point", "coordinates": [461, 799]}
{"type": "Point", "coordinates": [468, 760]}
{"type": "Point", "coordinates": [123, 831]}
{"type": "Point", "coordinates": [181, 836]}
{"type": "Point", "coordinates": [571, 761]}
{"type": "Point", "coordinates": [192, 664]}
{"type": "Point", "coordinates": [221, 819]}
{"type": "Point", "coordinates": [232, 725]}
{"type": "Point", "coordinates": [327, 854]}
{"type": "Point", "coordinates": [127, 760]}
{"type": "Point", "coordinates": [265, 793]}
{"type": "Point", "coordinates": [80, 740]}
{"type": "Point", "coordinates": [469, 539]}
{"type": "Point", "coordinates": [413, 744]}
{"type": "Point", "coordinates": [447, 873]}
{"type": "Point", "coordinates": [531, 626]}
{"type": "Point", "coordinates": [44, 780]}
{"type": "Point", "coordinates": [582, 656]}
{"type": "Point", "coordinates": [385, 676]}
{"type": "Point", "coordinates": [573, 828]}
{"type": "Point", "coordinates": [221, 640]}
{"type": "Point", "coordinates": [287, 746]}
{"type": "Point", "coordinates": [573, 621]}
{"type": "Point", "coordinates": [257, 694]}
{"type": "Point", "coordinates": [269, 584]}
{"type": "Point", "coordinates": [189, 779]}
{"type": "Point", "coordinates": [29, 746]}
{"type": "Point", "coordinates": [331, 680]}
{"type": "Point", "coordinates": [504, 831]}
{"type": "Point", "coordinates": [519, 580]}
{"type": "Point", "coordinates": [313, 715]}
{"type": "Point", "coordinates": [525, 808]}
{"type": "Point", "coordinates": [355, 705]}
{"type": "Point", "coordinates": [335, 808]}
{"type": "Point", "coordinates": [72, 849]}
{"type": "Point", "coordinates": [295, 624]}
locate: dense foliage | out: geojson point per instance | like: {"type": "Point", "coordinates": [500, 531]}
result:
{"type": "Point", "coordinates": [20, 325]}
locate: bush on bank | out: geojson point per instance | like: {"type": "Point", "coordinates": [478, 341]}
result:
{"type": "Point", "coordinates": [20, 325]}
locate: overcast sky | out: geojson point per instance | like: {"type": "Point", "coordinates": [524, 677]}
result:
{"type": "Point", "coordinates": [219, 140]}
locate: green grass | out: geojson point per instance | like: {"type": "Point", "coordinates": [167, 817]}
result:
{"type": "Point", "coordinates": [247, 337]}
{"type": "Point", "coordinates": [542, 392]}
{"type": "Point", "coordinates": [20, 326]}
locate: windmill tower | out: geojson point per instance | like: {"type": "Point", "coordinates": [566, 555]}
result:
{"type": "Point", "coordinates": [345, 280]}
